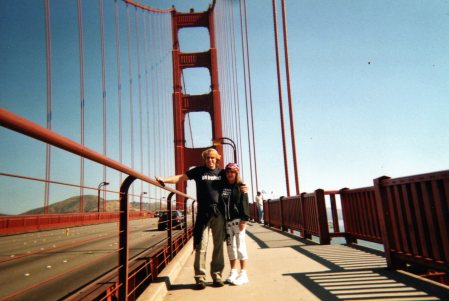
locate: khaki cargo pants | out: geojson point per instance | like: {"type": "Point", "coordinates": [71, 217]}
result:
{"type": "Point", "coordinates": [216, 226]}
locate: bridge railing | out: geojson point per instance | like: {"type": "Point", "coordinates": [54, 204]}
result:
{"type": "Point", "coordinates": [409, 216]}
{"type": "Point", "coordinates": [414, 219]}
{"type": "Point", "coordinates": [305, 213]}
{"type": "Point", "coordinates": [127, 276]}
{"type": "Point", "coordinates": [360, 215]}
{"type": "Point", "coordinates": [38, 222]}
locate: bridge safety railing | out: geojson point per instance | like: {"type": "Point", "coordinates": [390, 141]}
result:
{"type": "Point", "coordinates": [414, 219]}
{"type": "Point", "coordinates": [37, 222]}
{"type": "Point", "coordinates": [360, 215]}
{"type": "Point", "coordinates": [124, 285]}
{"type": "Point", "coordinates": [305, 213]}
{"type": "Point", "coordinates": [409, 216]}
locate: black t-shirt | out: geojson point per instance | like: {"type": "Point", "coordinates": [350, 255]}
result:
{"type": "Point", "coordinates": [208, 183]}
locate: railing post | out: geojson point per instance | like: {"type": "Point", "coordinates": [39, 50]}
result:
{"type": "Point", "coordinates": [322, 217]}
{"type": "Point", "coordinates": [185, 218]}
{"type": "Point", "coordinates": [335, 222]}
{"type": "Point", "coordinates": [384, 220]}
{"type": "Point", "coordinates": [170, 225]}
{"type": "Point", "coordinates": [193, 214]}
{"type": "Point", "coordinates": [282, 212]}
{"type": "Point", "coordinates": [347, 218]}
{"type": "Point", "coordinates": [303, 217]}
{"type": "Point", "coordinates": [123, 239]}
{"type": "Point", "coordinates": [268, 213]}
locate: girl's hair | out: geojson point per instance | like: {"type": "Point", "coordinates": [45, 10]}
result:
{"type": "Point", "coordinates": [236, 168]}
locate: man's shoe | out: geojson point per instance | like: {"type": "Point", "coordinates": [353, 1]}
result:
{"type": "Point", "coordinates": [200, 284]}
{"type": "Point", "coordinates": [218, 283]}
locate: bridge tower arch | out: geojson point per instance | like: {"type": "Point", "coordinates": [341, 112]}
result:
{"type": "Point", "coordinates": [186, 157]}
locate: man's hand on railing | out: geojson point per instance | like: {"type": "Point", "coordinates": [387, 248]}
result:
{"type": "Point", "coordinates": [161, 182]}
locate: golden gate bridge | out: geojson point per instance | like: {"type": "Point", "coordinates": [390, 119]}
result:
{"type": "Point", "coordinates": [106, 106]}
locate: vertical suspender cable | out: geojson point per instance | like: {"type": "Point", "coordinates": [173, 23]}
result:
{"type": "Point", "coordinates": [49, 105]}
{"type": "Point", "coordinates": [103, 85]}
{"type": "Point", "coordinates": [250, 152]}
{"type": "Point", "coordinates": [82, 104]}
{"type": "Point", "coordinates": [236, 93]}
{"type": "Point", "coordinates": [130, 73]}
{"type": "Point", "coordinates": [290, 108]}
{"type": "Point", "coordinates": [167, 84]}
{"type": "Point", "coordinates": [139, 85]}
{"type": "Point", "coordinates": [147, 104]}
{"type": "Point", "coordinates": [281, 111]}
{"type": "Point", "coordinates": [237, 128]}
{"type": "Point", "coordinates": [164, 70]}
{"type": "Point", "coordinates": [153, 99]}
{"type": "Point", "coordinates": [225, 84]}
{"type": "Point", "coordinates": [131, 103]}
{"type": "Point", "coordinates": [235, 87]}
{"type": "Point", "coordinates": [119, 89]}
{"type": "Point", "coordinates": [250, 101]}
{"type": "Point", "coordinates": [229, 72]}
{"type": "Point", "coordinates": [158, 98]}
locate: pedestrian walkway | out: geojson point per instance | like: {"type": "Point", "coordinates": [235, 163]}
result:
{"type": "Point", "coordinates": [285, 267]}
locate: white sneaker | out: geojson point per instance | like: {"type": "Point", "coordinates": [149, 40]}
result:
{"type": "Point", "coordinates": [242, 278]}
{"type": "Point", "coordinates": [232, 276]}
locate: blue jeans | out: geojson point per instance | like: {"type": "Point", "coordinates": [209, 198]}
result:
{"type": "Point", "coordinates": [260, 214]}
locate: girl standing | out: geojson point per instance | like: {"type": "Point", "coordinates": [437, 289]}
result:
{"type": "Point", "coordinates": [236, 211]}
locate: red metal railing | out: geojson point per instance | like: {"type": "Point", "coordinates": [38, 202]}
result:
{"type": "Point", "coordinates": [125, 288]}
{"type": "Point", "coordinates": [305, 213]}
{"type": "Point", "coordinates": [414, 219]}
{"type": "Point", "coordinates": [409, 216]}
{"type": "Point", "coordinates": [37, 222]}
{"type": "Point", "coordinates": [360, 214]}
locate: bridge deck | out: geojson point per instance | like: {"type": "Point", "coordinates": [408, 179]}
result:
{"type": "Point", "coordinates": [284, 267]}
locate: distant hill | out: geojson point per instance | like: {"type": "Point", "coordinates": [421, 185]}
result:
{"type": "Point", "coordinates": [73, 205]}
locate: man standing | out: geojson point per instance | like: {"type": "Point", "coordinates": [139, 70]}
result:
{"type": "Point", "coordinates": [259, 204]}
{"type": "Point", "coordinates": [208, 179]}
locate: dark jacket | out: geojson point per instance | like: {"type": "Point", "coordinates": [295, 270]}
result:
{"type": "Point", "coordinates": [234, 203]}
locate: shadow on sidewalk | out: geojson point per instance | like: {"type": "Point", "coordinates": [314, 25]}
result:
{"type": "Point", "coordinates": [369, 284]}
{"type": "Point", "coordinates": [354, 272]}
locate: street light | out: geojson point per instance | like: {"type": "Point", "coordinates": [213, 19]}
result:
{"type": "Point", "coordinates": [98, 199]}
{"type": "Point", "coordinates": [228, 141]}
{"type": "Point", "coordinates": [161, 200]}
{"type": "Point", "coordinates": [143, 192]}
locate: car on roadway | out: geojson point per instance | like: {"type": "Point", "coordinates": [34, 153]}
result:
{"type": "Point", "coordinates": [177, 220]}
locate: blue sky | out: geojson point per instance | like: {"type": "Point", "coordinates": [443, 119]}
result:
{"type": "Point", "coordinates": [370, 88]}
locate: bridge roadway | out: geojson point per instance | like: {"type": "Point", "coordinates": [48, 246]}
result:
{"type": "Point", "coordinates": [285, 267]}
{"type": "Point", "coordinates": [48, 265]}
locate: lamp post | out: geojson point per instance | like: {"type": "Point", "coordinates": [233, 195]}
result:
{"type": "Point", "coordinates": [228, 141]}
{"type": "Point", "coordinates": [161, 200]}
{"type": "Point", "coordinates": [141, 195]}
{"type": "Point", "coordinates": [98, 198]}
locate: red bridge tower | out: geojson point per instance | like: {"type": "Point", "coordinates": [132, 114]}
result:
{"type": "Point", "coordinates": [184, 103]}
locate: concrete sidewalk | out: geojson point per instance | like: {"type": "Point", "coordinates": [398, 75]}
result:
{"type": "Point", "coordinates": [284, 267]}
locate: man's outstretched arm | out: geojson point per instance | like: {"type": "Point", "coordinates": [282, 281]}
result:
{"type": "Point", "coordinates": [173, 179]}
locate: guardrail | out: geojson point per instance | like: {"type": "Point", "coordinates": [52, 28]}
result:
{"type": "Point", "coordinates": [37, 222]}
{"type": "Point", "coordinates": [121, 289]}
{"type": "Point", "coordinates": [414, 219]}
{"type": "Point", "coordinates": [408, 215]}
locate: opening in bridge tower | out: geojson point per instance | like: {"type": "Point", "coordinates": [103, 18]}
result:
{"type": "Point", "coordinates": [186, 157]}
